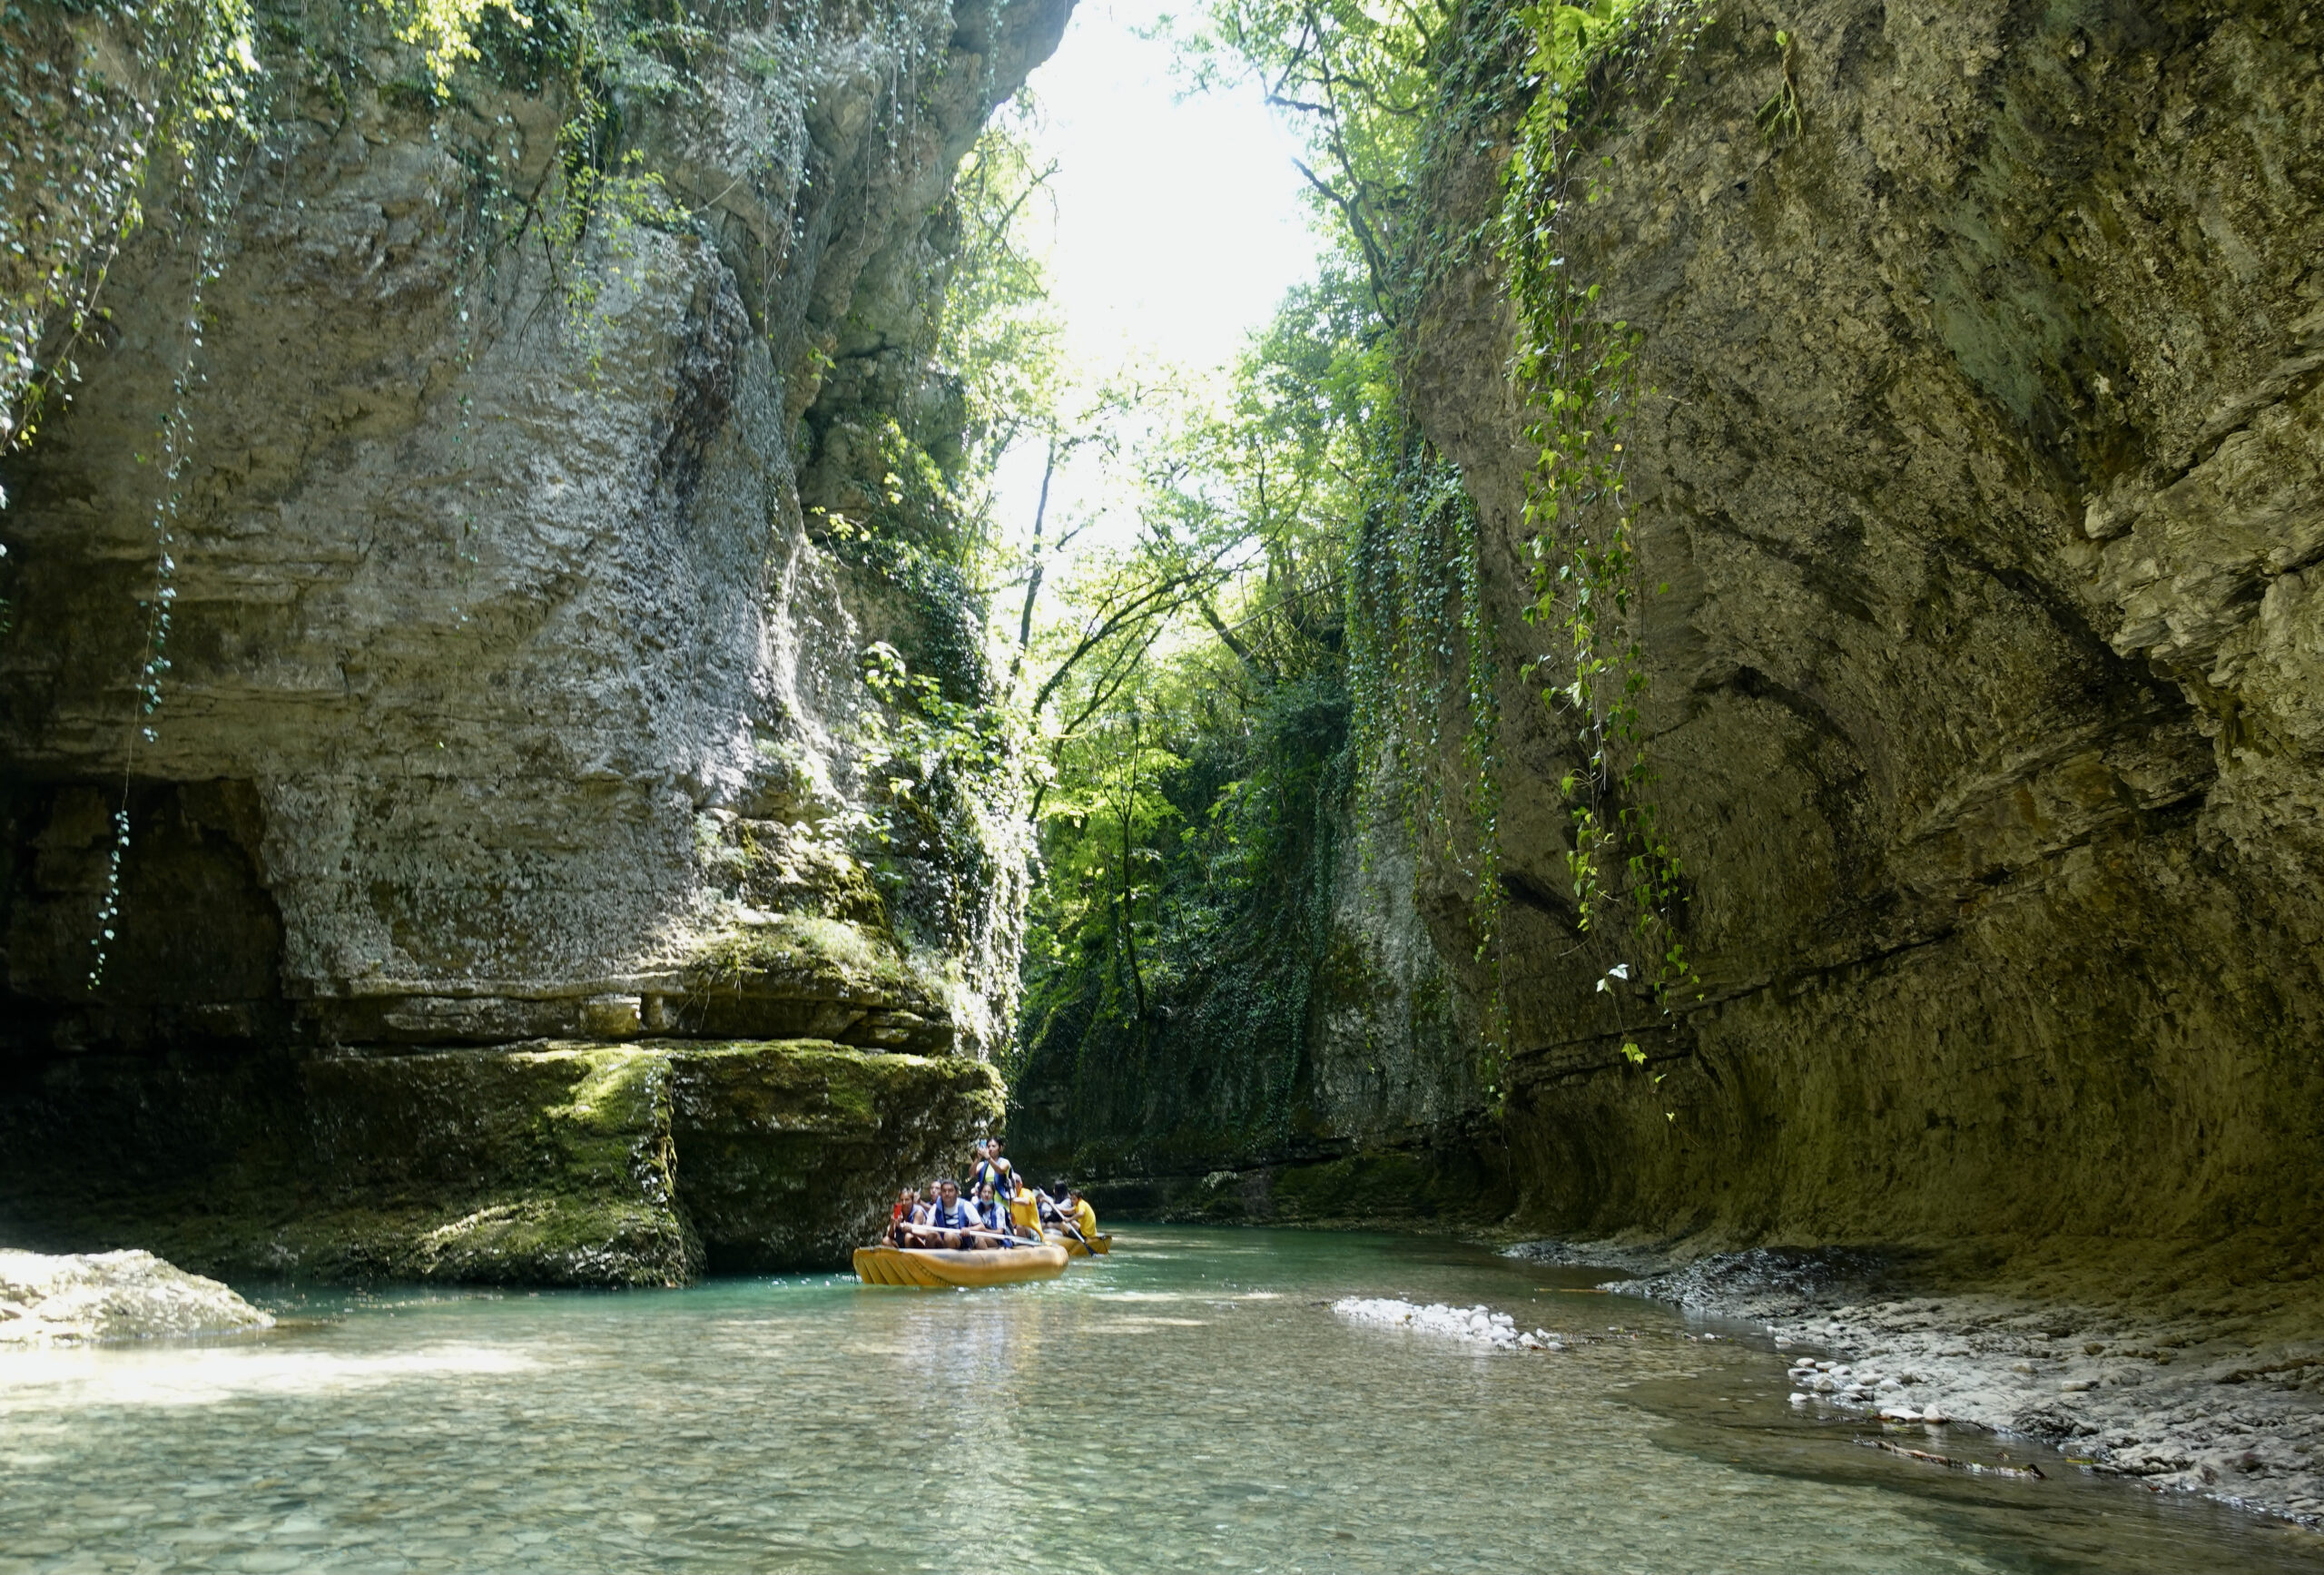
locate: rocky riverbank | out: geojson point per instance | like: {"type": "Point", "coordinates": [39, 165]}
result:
{"type": "Point", "coordinates": [2181, 1373]}
{"type": "Point", "coordinates": [126, 1295]}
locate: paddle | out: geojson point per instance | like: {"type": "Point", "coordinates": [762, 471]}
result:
{"type": "Point", "coordinates": [971, 1230]}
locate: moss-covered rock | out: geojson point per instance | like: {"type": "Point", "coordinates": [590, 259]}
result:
{"type": "Point", "coordinates": [800, 976]}
{"type": "Point", "coordinates": [789, 1160]}
{"type": "Point", "coordinates": [565, 1164]}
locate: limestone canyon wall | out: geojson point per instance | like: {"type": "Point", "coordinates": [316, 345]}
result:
{"type": "Point", "coordinates": [515, 683]}
{"type": "Point", "coordinates": [1982, 456]}
{"type": "Point", "coordinates": [1985, 461]}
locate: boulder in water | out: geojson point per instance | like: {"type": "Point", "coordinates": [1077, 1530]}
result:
{"type": "Point", "coordinates": [125, 1295]}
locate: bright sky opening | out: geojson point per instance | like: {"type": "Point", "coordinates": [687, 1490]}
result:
{"type": "Point", "coordinates": [1179, 224]}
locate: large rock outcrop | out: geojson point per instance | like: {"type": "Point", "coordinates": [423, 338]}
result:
{"type": "Point", "coordinates": [512, 692]}
{"type": "Point", "coordinates": [1984, 461]}
{"type": "Point", "coordinates": [564, 1163]}
{"type": "Point", "coordinates": [123, 1296]}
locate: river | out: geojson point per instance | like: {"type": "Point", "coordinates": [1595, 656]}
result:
{"type": "Point", "coordinates": [1192, 1404]}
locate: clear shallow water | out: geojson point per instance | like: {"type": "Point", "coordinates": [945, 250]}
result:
{"type": "Point", "coordinates": [1188, 1405]}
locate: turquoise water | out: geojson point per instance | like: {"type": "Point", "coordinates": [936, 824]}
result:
{"type": "Point", "coordinates": [1191, 1405]}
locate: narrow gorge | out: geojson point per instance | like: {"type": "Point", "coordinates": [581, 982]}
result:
{"type": "Point", "coordinates": [1974, 465]}
{"type": "Point", "coordinates": [1730, 690]}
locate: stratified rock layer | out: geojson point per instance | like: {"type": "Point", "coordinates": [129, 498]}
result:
{"type": "Point", "coordinates": [1983, 460]}
{"type": "Point", "coordinates": [571, 1163]}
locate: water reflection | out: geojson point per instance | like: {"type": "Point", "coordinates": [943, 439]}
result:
{"type": "Point", "coordinates": [1190, 1405]}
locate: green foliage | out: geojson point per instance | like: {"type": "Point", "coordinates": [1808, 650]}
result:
{"type": "Point", "coordinates": [1578, 368]}
{"type": "Point", "coordinates": [1358, 81]}
{"type": "Point", "coordinates": [1423, 654]}
{"type": "Point", "coordinates": [444, 31]}
{"type": "Point", "coordinates": [1780, 118]}
{"type": "Point", "coordinates": [996, 334]}
{"type": "Point", "coordinates": [1347, 561]}
{"type": "Point", "coordinates": [1199, 744]}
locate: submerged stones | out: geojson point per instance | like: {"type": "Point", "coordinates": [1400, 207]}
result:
{"type": "Point", "coordinates": [1479, 1325]}
{"type": "Point", "coordinates": [120, 1295]}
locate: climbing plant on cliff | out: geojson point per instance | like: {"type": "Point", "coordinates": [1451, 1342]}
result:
{"type": "Point", "coordinates": [1576, 367]}
{"type": "Point", "coordinates": [92, 96]}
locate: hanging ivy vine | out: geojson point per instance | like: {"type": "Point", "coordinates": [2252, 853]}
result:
{"type": "Point", "coordinates": [1577, 368]}
{"type": "Point", "coordinates": [1422, 649]}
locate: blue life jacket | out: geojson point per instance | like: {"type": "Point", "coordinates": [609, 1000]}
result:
{"type": "Point", "coordinates": [953, 1216]}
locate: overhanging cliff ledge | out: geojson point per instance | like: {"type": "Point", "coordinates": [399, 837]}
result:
{"type": "Point", "coordinates": [515, 685]}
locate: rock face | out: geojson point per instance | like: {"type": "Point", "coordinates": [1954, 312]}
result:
{"type": "Point", "coordinates": [1984, 461]}
{"type": "Point", "coordinates": [572, 1163]}
{"type": "Point", "coordinates": [514, 680]}
{"type": "Point", "coordinates": [123, 1295]}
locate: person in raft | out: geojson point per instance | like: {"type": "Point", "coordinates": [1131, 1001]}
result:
{"type": "Point", "coordinates": [995, 1215]}
{"type": "Point", "coordinates": [948, 1224]}
{"type": "Point", "coordinates": [1084, 1217]}
{"type": "Point", "coordinates": [988, 1168]}
{"type": "Point", "coordinates": [899, 1216]}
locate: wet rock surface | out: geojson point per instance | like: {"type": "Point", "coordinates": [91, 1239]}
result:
{"type": "Point", "coordinates": [560, 1163]}
{"type": "Point", "coordinates": [2207, 1387]}
{"type": "Point", "coordinates": [130, 1294]}
{"type": "Point", "coordinates": [513, 714]}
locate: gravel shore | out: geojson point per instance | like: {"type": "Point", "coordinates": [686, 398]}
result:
{"type": "Point", "coordinates": [2219, 1392]}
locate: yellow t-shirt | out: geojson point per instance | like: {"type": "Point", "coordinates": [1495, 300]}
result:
{"type": "Point", "coordinates": [1084, 1219]}
{"type": "Point", "coordinates": [1024, 1211]}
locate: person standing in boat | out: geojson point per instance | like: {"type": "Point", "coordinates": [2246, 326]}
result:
{"type": "Point", "coordinates": [987, 1169]}
{"type": "Point", "coordinates": [1008, 1192]}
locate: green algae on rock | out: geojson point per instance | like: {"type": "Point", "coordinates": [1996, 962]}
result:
{"type": "Point", "coordinates": [806, 976]}
{"type": "Point", "coordinates": [569, 1164]}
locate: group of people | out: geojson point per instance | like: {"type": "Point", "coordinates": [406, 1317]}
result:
{"type": "Point", "coordinates": [995, 1210]}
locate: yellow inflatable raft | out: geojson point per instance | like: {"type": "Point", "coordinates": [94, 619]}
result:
{"type": "Point", "coordinates": [1075, 1246]}
{"type": "Point", "coordinates": [887, 1265]}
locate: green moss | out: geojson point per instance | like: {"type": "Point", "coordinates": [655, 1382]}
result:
{"type": "Point", "coordinates": [571, 1165]}
{"type": "Point", "coordinates": [823, 954]}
